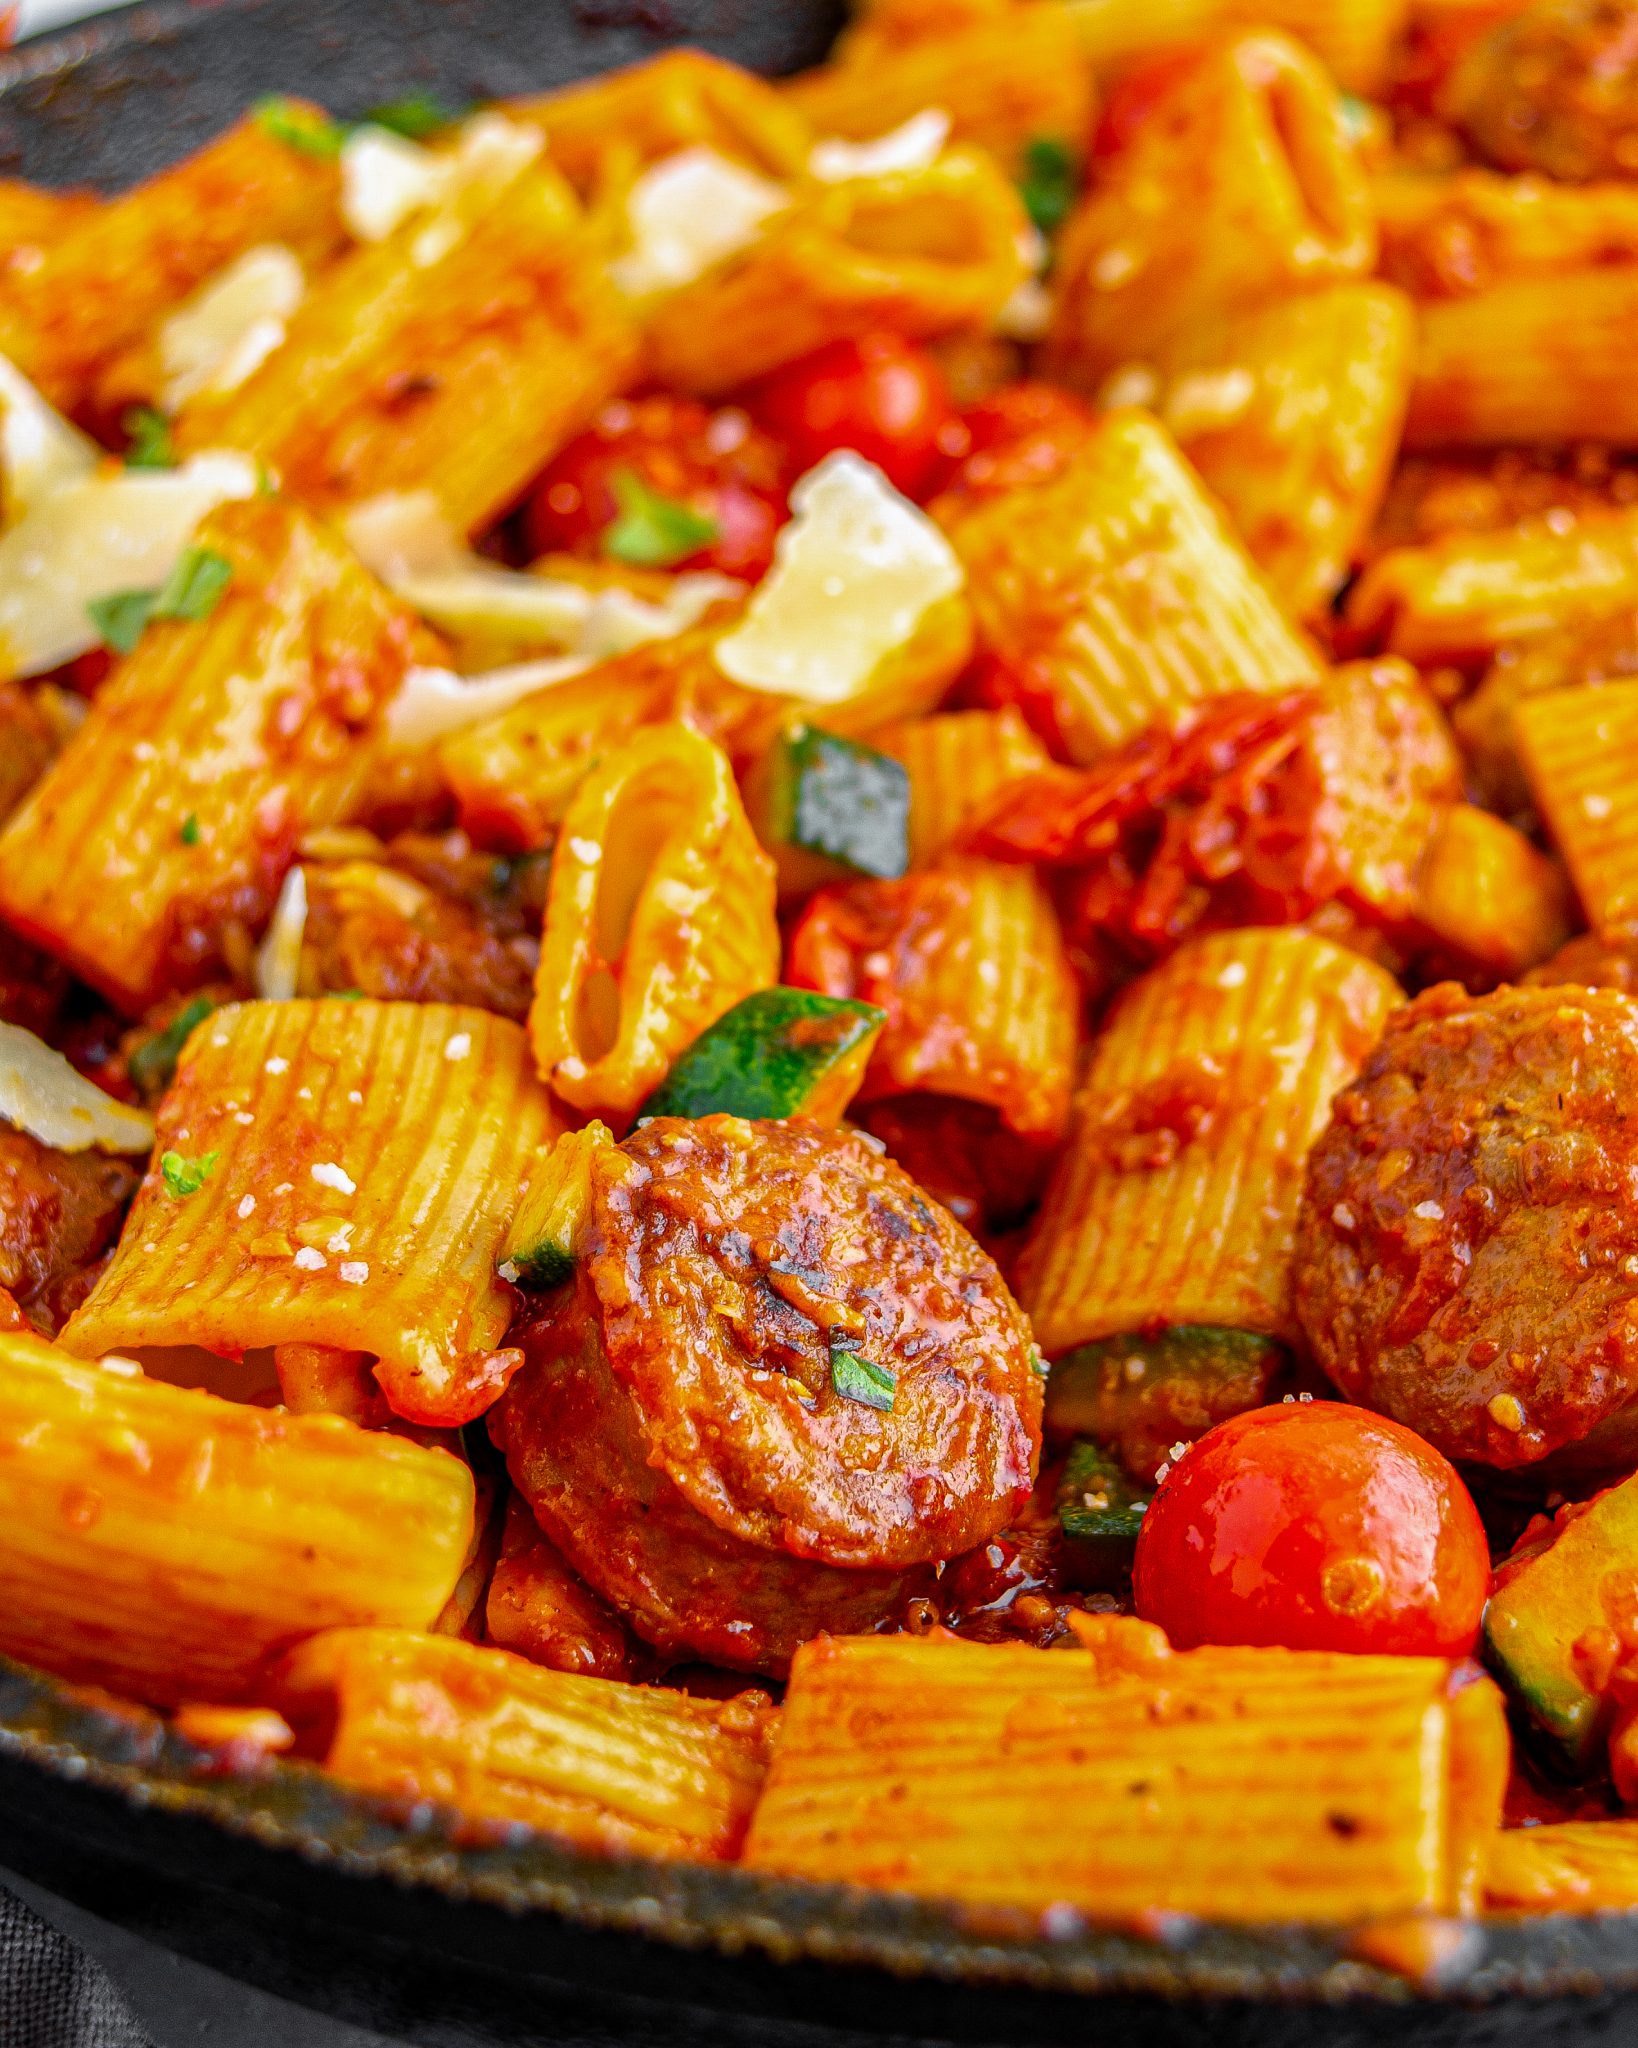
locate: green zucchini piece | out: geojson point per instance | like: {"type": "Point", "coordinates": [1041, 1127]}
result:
{"type": "Point", "coordinates": [1581, 1583]}
{"type": "Point", "coordinates": [539, 1249]}
{"type": "Point", "coordinates": [1142, 1394]}
{"type": "Point", "coordinates": [1100, 1511]}
{"type": "Point", "coordinates": [153, 1065]}
{"type": "Point", "coordinates": [782, 1052]}
{"type": "Point", "coordinates": [829, 809]}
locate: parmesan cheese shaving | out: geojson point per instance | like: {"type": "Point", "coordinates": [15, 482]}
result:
{"type": "Point", "coordinates": [384, 179]}
{"type": "Point", "coordinates": [687, 213]}
{"type": "Point", "coordinates": [230, 325]}
{"type": "Point", "coordinates": [432, 703]}
{"type": "Point", "coordinates": [39, 450]}
{"type": "Point", "coordinates": [915, 145]}
{"type": "Point", "coordinates": [278, 959]}
{"type": "Point", "coordinates": [121, 530]}
{"type": "Point", "coordinates": [42, 1094]}
{"type": "Point", "coordinates": [854, 573]}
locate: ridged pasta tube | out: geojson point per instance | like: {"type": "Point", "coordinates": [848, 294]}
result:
{"type": "Point", "coordinates": [957, 761]}
{"type": "Point", "coordinates": [1579, 749]}
{"type": "Point", "coordinates": [659, 917]}
{"type": "Point", "coordinates": [1176, 1198]}
{"type": "Point", "coordinates": [168, 1544]}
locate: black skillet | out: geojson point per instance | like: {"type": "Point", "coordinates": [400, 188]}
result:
{"type": "Point", "coordinates": [288, 1882]}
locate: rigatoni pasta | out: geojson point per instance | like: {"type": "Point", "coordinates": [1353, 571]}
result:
{"type": "Point", "coordinates": [341, 1174]}
{"type": "Point", "coordinates": [956, 761]}
{"type": "Point", "coordinates": [1579, 749]}
{"type": "Point", "coordinates": [1176, 1198]}
{"type": "Point", "coordinates": [169, 1544]}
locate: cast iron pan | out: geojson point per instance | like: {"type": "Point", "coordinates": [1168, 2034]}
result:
{"type": "Point", "coordinates": [395, 1921]}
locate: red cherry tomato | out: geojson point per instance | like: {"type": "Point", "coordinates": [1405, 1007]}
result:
{"type": "Point", "coordinates": [1021, 434]}
{"type": "Point", "coordinates": [716, 466]}
{"type": "Point", "coordinates": [880, 395]}
{"type": "Point", "coordinates": [1316, 1526]}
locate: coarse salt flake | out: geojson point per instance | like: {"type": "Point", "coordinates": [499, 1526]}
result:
{"type": "Point", "coordinates": [1597, 806]}
{"type": "Point", "coordinates": [1342, 1216]}
{"type": "Point", "coordinates": [1431, 1211]}
{"type": "Point", "coordinates": [310, 1260]}
{"type": "Point", "coordinates": [354, 1271]}
{"type": "Point", "coordinates": [278, 1064]}
{"type": "Point", "coordinates": [329, 1175]}
{"type": "Point", "coordinates": [458, 1045]}
{"type": "Point", "coordinates": [247, 1207]}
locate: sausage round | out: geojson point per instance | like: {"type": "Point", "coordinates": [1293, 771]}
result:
{"type": "Point", "coordinates": [1467, 1251]}
{"type": "Point", "coordinates": [683, 1425]}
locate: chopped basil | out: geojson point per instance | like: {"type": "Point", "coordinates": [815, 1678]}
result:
{"type": "Point", "coordinates": [416, 116]}
{"type": "Point", "coordinates": [148, 437]}
{"type": "Point", "coordinates": [192, 591]}
{"type": "Point", "coordinates": [299, 127]}
{"type": "Point", "coordinates": [154, 1061]}
{"type": "Point", "coordinates": [119, 619]}
{"type": "Point", "coordinates": [189, 834]}
{"type": "Point", "coordinates": [653, 531]}
{"type": "Point", "coordinates": [857, 1378]}
{"type": "Point", "coordinates": [1047, 184]}
{"type": "Point", "coordinates": [186, 1176]}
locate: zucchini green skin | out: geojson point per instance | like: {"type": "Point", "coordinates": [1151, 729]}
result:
{"type": "Point", "coordinates": [542, 1266]}
{"type": "Point", "coordinates": [1142, 1394]}
{"type": "Point", "coordinates": [783, 1052]}
{"type": "Point", "coordinates": [153, 1064]}
{"type": "Point", "coordinates": [1100, 1511]}
{"type": "Point", "coordinates": [1540, 1607]}
{"type": "Point", "coordinates": [829, 809]}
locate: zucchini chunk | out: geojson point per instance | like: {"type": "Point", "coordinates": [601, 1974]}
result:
{"type": "Point", "coordinates": [1100, 1511]}
{"type": "Point", "coordinates": [783, 1052]}
{"type": "Point", "coordinates": [1556, 1605]}
{"type": "Point", "coordinates": [1142, 1394]}
{"type": "Point", "coordinates": [829, 810]}
{"type": "Point", "coordinates": [539, 1249]}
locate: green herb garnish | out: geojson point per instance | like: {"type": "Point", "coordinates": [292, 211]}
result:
{"type": "Point", "coordinates": [299, 127]}
{"type": "Point", "coordinates": [1048, 180]}
{"type": "Point", "coordinates": [192, 591]}
{"type": "Point", "coordinates": [153, 1063]}
{"type": "Point", "coordinates": [857, 1378]}
{"type": "Point", "coordinates": [416, 116]}
{"type": "Point", "coordinates": [1037, 1364]}
{"type": "Point", "coordinates": [653, 531]}
{"type": "Point", "coordinates": [189, 834]}
{"type": "Point", "coordinates": [186, 1176]}
{"type": "Point", "coordinates": [148, 435]}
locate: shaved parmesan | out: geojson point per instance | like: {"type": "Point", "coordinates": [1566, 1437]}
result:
{"type": "Point", "coordinates": [39, 450]}
{"type": "Point", "coordinates": [42, 1094]}
{"type": "Point", "coordinates": [124, 530]}
{"type": "Point", "coordinates": [384, 178]}
{"type": "Point", "coordinates": [914, 146]}
{"type": "Point", "coordinates": [854, 573]}
{"type": "Point", "coordinates": [491, 155]}
{"type": "Point", "coordinates": [688, 212]}
{"type": "Point", "coordinates": [278, 959]}
{"type": "Point", "coordinates": [432, 703]}
{"type": "Point", "coordinates": [231, 325]}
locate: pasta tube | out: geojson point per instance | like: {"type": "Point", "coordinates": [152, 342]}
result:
{"type": "Point", "coordinates": [617, 1767]}
{"type": "Point", "coordinates": [167, 1544]}
{"type": "Point", "coordinates": [1292, 414]}
{"type": "Point", "coordinates": [1447, 235]}
{"type": "Point", "coordinates": [339, 1174]}
{"type": "Point", "coordinates": [107, 274]}
{"type": "Point", "coordinates": [1460, 598]}
{"type": "Point", "coordinates": [1239, 184]}
{"type": "Point", "coordinates": [604, 128]}
{"type": "Point", "coordinates": [969, 963]}
{"type": "Point", "coordinates": [1579, 749]}
{"type": "Point", "coordinates": [659, 917]}
{"type": "Point", "coordinates": [1248, 1785]}
{"type": "Point", "coordinates": [1487, 899]}
{"type": "Point", "coordinates": [1572, 1866]}
{"type": "Point", "coordinates": [1018, 76]}
{"type": "Point", "coordinates": [1176, 1200]}
{"type": "Point", "coordinates": [1114, 595]}
{"type": "Point", "coordinates": [956, 763]}
{"type": "Point", "coordinates": [923, 252]}
{"type": "Point", "coordinates": [1543, 358]}
{"type": "Point", "coordinates": [1356, 40]}
{"type": "Point", "coordinates": [154, 847]}
{"type": "Point", "coordinates": [457, 355]}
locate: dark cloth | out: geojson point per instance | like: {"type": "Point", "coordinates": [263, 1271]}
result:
{"type": "Point", "coordinates": [52, 1995]}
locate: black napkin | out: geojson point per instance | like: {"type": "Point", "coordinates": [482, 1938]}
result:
{"type": "Point", "coordinates": [52, 1995]}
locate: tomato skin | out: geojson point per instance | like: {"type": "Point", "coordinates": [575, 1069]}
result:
{"type": "Point", "coordinates": [1315, 1526]}
{"type": "Point", "coordinates": [1022, 434]}
{"type": "Point", "coordinates": [716, 463]}
{"type": "Point", "coordinates": [879, 395]}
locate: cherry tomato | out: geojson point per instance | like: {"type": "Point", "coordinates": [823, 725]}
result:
{"type": "Point", "coordinates": [1317, 1526]}
{"type": "Point", "coordinates": [702, 469]}
{"type": "Point", "coordinates": [1022, 434]}
{"type": "Point", "coordinates": [880, 395]}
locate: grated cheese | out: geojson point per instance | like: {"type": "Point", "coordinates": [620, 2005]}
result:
{"type": "Point", "coordinates": [854, 573]}
{"type": "Point", "coordinates": [688, 213]}
{"type": "Point", "coordinates": [41, 1093]}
